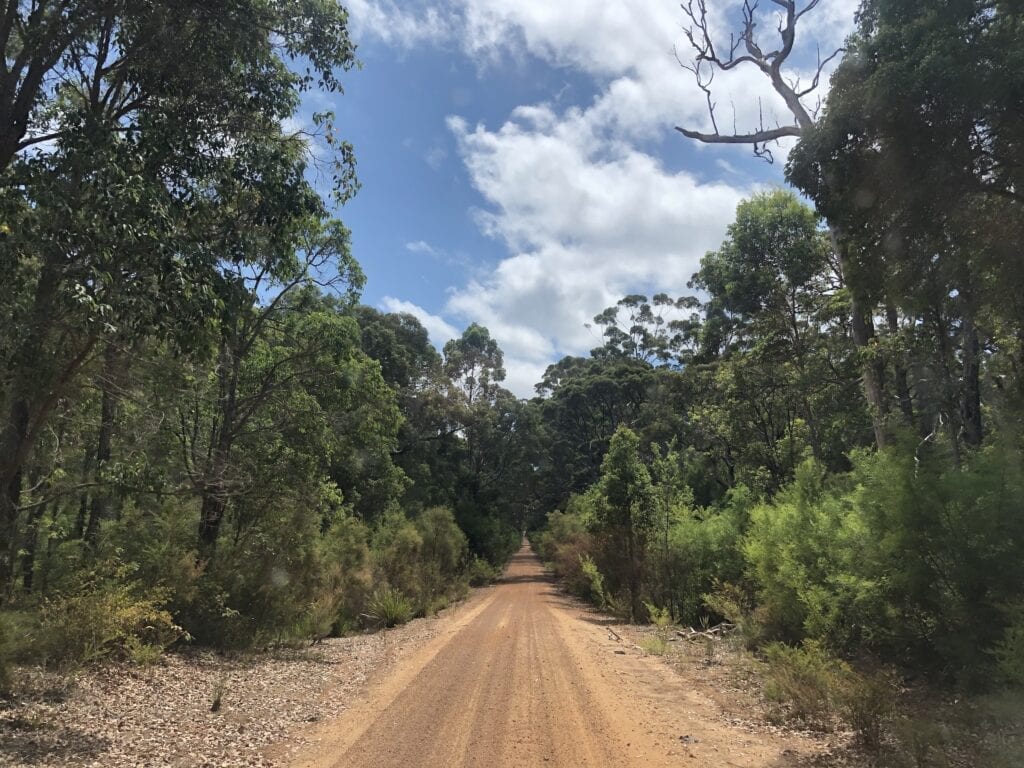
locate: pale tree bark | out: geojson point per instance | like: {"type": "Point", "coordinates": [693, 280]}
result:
{"type": "Point", "coordinates": [744, 49]}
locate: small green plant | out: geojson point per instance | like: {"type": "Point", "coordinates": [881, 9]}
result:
{"type": "Point", "coordinates": [594, 582]}
{"type": "Point", "coordinates": [802, 679]}
{"type": "Point", "coordinates": [920, 743]}
{"type": "Point", "coordinates": [219, 688]}
{"type": "Point", "coordinates": [865, 702]}
{"type": "Point", "coordinates": [142, 654]}
{"type": "Point", "coordinates": [480, 573]}
{"type": "Point", "coordinates": [105, 619]}
{"type": "Point", "coordinates": [707, 641]}
{"type": "Point", "coordinates": [815, 685]}
{"type": "Point", "coordinates": [663, 623]}
{"type": "Point", "coordinates": [654, 646]}
{"type": "Point", "coordinates": [389, 607]}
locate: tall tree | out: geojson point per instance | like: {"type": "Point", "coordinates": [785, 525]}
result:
{"type": "Point", "coordinates": [747, 49]}
{"type": "Point", "coordinates": [918, 160]}
{"type": "Point", "coordinates": [118, 226]}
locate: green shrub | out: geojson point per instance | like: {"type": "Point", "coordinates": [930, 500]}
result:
{"type": "Point", "coordinates": [591, 586]}
{"type": "Point", "coordinates": [1009, 651]}
{"type": "Point", "coordinates": [663, 623]}
{"type": "Point", "coordinates": [865, 701]}
{"type": "Point", "coordinates": [654, 645]}
{"type": "Point", "coordinates": [803, 679]}
{"type": "Point", "coordinates": [700, 548]}
{"type": "Point", "coordinates": [107, 618]}
{"type": "Point", "coordinates": [814, 686]}
{"type": "Point", "coordinates": [480, 573]}
{"type": "Point", "coordinates": [389, 607]}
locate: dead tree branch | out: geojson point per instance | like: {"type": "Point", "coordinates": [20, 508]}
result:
{"type": "Point", "coordinates": [745, 49]}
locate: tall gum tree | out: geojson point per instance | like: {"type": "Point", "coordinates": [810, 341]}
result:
{"type": "Point", "coordinates": [745, 49]}
{"type": "Point", "coordinates": [112, 148]}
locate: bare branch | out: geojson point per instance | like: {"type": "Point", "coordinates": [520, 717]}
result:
{"type": "Point", "coordinates": [822, 63]}
{"type": "Point", "coordinates": [706, 60]}
{"type": "Point", "coordinates": [757, 137]}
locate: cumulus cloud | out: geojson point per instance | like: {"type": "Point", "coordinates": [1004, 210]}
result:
{"type": "Point", "coordinates": [437, 327]}
{"type": "Point", "coordinates": [585, 214]}
{"type": "Point", "coordinates": [586, 222]}
{"type": "Point", "coordinates": [400, 26]}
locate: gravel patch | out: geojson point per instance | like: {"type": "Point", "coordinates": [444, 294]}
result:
{"type": "Point", "coordinates": [117, 715]}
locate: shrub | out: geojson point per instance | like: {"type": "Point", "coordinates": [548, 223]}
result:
{"type": "Point", "coordinates": [865, 701]}
{"type": "Point", "coordinates": [591, 585]}
{"type": "Point", "coordinates": [663, 623]}
{"type": "Point", "coordinates": [815, 685]}
{"type": "Point", "coordinates": [803, 679]}
{"type": "Point", "coordinates": [388, 607]}
{"type": "Point", "coordinates": [1009, 651]}
{"type": "Point", "coordinates": [107, 618]}
{"type": "Point", "coordinates": [700, 547]}
{"type": "Point", "coordinates": [480, 573]}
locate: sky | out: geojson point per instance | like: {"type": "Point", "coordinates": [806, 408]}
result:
{"type": "Point", "coordinates": [519, 162]}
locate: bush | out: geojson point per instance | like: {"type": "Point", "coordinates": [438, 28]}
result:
{"type": "Point", "coordinates": [1009, 651]}
{"type": "Point", "coordinates": [591, 585]}
{"type": "Point", "coordinates": [388, 607]}
{"type": "Point", "coordinates": [815, 686]}
{"type": "Point", "coordinates": [700, 548]}
{"type": "Point", "coordinates": [106, 618]}
{"type": "Point", "coordinates": [480, 573]}
{"type": "Point", "coordinates": [865, 701]}
{"type": "Point", "coordinates": [830, 559]}
{"type": "Point", "coordinates": [803, 679]}
{"type": "Point", "coordinates": [423, 559]}
{"type": "Point", "coordinates": [663, 623]}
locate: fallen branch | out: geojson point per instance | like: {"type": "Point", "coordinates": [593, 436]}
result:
{"type": "Point", "coordinates": [719, 630]}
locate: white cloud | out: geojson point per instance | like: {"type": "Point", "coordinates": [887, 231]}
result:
{"type": "Point", "coordinates": [399, 26]}
{"type": "Point", "coordinates": [439, 329]}
{"type": "Point", "coordinates": [586, 215]}
{"type": "Point", "coordinates": [587, 221]}
{"type": "Point", "coordinates": [422, 246]}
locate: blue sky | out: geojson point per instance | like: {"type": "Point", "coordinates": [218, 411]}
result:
{"type": "Point", "coordinates": [519, 166]}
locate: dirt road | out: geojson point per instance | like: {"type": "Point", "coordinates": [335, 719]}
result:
{"type": "Point", "coordinates": [522, 677]}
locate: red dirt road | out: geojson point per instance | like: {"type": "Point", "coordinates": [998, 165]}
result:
{"type": "Point", "coordinates": [520, 676]}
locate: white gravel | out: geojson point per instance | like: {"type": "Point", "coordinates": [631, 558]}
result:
{"type": "Point", "coordinates": [117, 715]}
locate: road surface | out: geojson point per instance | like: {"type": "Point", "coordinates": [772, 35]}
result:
{"type": "Point", "coordinates": [521, 676]}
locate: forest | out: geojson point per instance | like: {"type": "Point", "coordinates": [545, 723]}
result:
{"type": "Point", "coordinates": [205, 437]}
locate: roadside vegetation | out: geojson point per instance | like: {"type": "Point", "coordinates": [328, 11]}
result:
{"type": "Point", "coordinates": [825, 448]}
{"type": "Point", "coordinates": [206, 438]}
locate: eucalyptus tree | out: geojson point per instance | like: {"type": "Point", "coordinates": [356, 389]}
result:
{"type": "Point", "coordinates": [918, 158]}
{"type": "Point", "coordinates": [115, 151]}
{"type": "Point", "coordinates": [747, 49]}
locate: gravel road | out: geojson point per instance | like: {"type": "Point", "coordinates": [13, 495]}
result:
{"type": "Point", "coordinates": [522, 677]}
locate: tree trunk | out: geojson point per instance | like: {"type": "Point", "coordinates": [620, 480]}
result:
{"type": "Point", "coordinates": [98, 508]}
{"type": "Point", "coordinates": [863, 331]}
{"type": "Point", "coordinates": [899, 368]}
{"type": "Point", "coordinates": [12, 450]}
{"type": "Point", "coordinates": [971, 398]}
{"type": "Point", "coordinates": [28, 554]}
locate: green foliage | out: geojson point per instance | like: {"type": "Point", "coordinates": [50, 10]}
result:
{"type": "Point", "coordinates": [814, 686]}
{"type": "Point", "coordinates": [106, 617]}
{"type": "Point", "coordinates": [802, 678]}
{"type": "Point", "coordinates": [590, 585]}
{"type": "Point", "coordinates": [389, 607]}
{"type": "Point", "coordinates": [663, 623]}
{"type": "Point", "coordinates": [422, 559]}
{"type": "Point", "coordinates": [831, 560]}
{"type": "Point", "coordinates": [480, 573]}
{"type": "Point", "coordinates": [1009, 650]}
